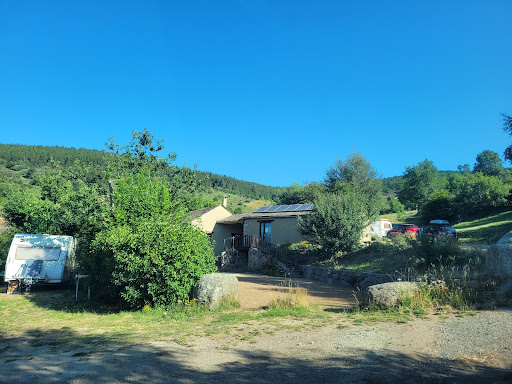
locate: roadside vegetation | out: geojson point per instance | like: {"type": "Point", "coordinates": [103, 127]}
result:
{"type": "Point", "coordinates": [129, 212]}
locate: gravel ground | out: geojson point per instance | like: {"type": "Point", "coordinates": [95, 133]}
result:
{"type": "Point", "coordinates": [470, 349]}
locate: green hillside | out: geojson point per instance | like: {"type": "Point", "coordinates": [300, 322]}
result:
{"type": "Point", "coordinates": [19, 164]}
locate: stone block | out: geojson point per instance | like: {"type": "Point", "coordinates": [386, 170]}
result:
{"type": "Point", "coordinates": [390, 294]}
{"type": "Point", "coordinates": [498, 261]}
{"type": "Point", "coordinates": [214, 287]}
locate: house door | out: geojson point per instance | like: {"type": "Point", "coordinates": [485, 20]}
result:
{"type": "Point", "coordinates": [265, 231]}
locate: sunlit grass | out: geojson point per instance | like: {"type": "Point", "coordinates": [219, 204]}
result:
{"type": "Point", "coordinates": [43, 314]}
{"type": "Point", "coordinates": [396, 218]}
{"type": "Point", "coordinates": [486, 230]}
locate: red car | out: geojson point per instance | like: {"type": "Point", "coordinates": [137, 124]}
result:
{"type": "Point", "coordinates": [403, 229]}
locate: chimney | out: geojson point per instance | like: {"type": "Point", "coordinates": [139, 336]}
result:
{"type": "Point", "coordinates": [225, 201]}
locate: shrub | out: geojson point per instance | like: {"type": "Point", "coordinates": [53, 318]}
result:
{"type": "Point", "coordinates": [294, 297]}
{"type": "Point", "coordinates": [149, 254]}
{"type": "Point", "coordinates": [430, 252]}
{"type": "Point", "coordinates": [336, 222]}
{"type": "Point", "coordinates": [5, 243]}
{"type": "Point", "coordinates": [440, 206]}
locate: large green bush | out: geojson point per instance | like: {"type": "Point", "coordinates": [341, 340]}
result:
{"type": "Point", "coordinates": [336, 222]}
{"type": "Point", "coordinates": [157, 260]}
{"type": "Point", "coordinates": [149, 253]}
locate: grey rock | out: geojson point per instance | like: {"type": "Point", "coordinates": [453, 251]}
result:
{"type": "Point", "coordinates": [214, 287]}
{"type": "Point", "coordinates": [258, 261]}
{"type": "Point", "coordinates": [499, 261]}
{"type": "Point", "coordinates": [506, 239]}
{"type": "Point", "coordinates": [389, 294]}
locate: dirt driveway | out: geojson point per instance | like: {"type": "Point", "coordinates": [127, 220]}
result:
{"type": "Point", "coordinates": [257, 291]}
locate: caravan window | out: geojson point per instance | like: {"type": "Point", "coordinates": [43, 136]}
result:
{"type": "Point", "coordinates": [37, 253]}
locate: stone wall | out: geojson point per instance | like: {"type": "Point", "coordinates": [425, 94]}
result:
{"type": "Point", "coordinates": [347, 278]}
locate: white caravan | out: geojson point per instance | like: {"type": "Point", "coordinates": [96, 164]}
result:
{"type": "Point", "coordinates": [40, 258]}
{"type": "Point", "coordinates": [380, 228]}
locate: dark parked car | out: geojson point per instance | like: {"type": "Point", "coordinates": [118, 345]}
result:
{"type": "Point", "coordinates": [403, 229]}
{"type": "Point", "coordinates": [441, 230]}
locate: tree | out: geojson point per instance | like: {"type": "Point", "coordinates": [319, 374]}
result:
{"type": "Point", "coordinates": [336, 222]}
{"type": "Point", "coordinates": [65, 203]}
{"type": "Point", "coordinates": [440, 206]}
{"type": "Point", "coordinates": [475, 192]}
{"type": "Point", "coordinates": [420, 183]}
{"type": "Point", "coordinates": [350, 201]}
{"type": "Point", "coordinates": [507, 127]}
{"type": "Point", "coordinates": [489, 163]}
{"type": "Point", "coordinates": [149, 253]}
{"type": "Point", "coordinates": [356, 173]}
{"type": "Point", "coordinates": [297, 194]}
{"type": "Point", "coordinates": [392, 205]}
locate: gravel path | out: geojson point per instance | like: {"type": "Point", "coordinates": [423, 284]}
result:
{"type": "Point", "coordinates": [436, 350]}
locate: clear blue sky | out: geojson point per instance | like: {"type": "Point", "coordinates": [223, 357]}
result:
{"type": "Point", "coordinates": [265, 91]}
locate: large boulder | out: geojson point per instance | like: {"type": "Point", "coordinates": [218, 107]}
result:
{"type": "Point", "coordinates": [390, 294]}
{"type": "Point", "coordinates": [258, 261]}
{"type": "Point", "coordinates": [498, 261]}
{"type": "Point", "coordinates": [214, 287]}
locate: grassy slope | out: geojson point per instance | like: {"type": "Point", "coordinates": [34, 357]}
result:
{"type": "Point", "coordinates": [234, 201]}
{"type": "Point", "coordinates": [410, 218]}
{"type": "Point", "coordinates": [398, 256]}
{"type": "Point", "coordinates": [486, 230]}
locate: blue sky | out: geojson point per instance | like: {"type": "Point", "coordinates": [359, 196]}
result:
{"type": "Point", "coordinates": [265, 91]}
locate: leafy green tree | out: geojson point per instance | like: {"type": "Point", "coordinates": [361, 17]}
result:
{"type": "Point", "coordinates": [63, 204]}
{"type": "Point", "coordinates": [440, 206]}
{"type": "Point", "coordinates": [297, 194]}
{"type": "Point", "coordinates": [507, 127]}
{"type": "Point", "coordinates": [336, 223]}
{"type": "Point", "coordinates": [392, 205]}
{"type": "Point", "coordinates": [489, 163]}
{"type": "Point", "coordinates": [356, 173]}
{"type": "Point", "coordinates": [475, 192]}
{"type": "Point", "coordinates": [350, 201]}
{"type": "Point", "coordinates": [463, 168]}
{"type": "Point", "coordinates": [420, 183]}
{"type": "Point", "coordinates": [149, 253]}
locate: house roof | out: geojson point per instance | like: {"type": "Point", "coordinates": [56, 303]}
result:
{"type": "Point", "coordinates": [200, 212]}
{"type": "Point", "coordinates": [234, 219]}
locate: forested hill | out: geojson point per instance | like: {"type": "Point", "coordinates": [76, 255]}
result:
{"type": "Point", "coordinates": [391, 185]}
{"type": "Point", "coordinates": [32, 158]}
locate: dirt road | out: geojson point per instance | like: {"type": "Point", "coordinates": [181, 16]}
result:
{"type": "Point", "coordinates": [454, 350]}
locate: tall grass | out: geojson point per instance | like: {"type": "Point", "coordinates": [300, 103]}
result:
{"type": "Point", "coordinates": [458, 287]}
{"type": "Point", "coordinates": [293, 296]}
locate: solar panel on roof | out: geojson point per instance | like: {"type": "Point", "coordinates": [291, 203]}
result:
{"type": "Point", "coordinates": [285, 208]}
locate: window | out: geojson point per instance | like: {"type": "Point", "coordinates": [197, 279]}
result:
{"type": "Point", "coordinates": [265, 229]}
{"type": "Point", "coordinates": [37, 253]}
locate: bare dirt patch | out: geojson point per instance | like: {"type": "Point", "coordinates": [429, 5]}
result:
{"type": "Point", "coordinates": [257, 291]}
